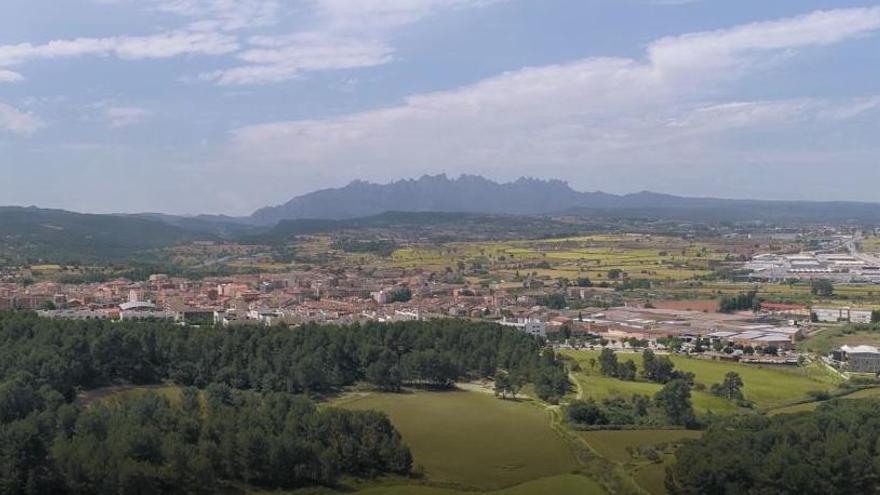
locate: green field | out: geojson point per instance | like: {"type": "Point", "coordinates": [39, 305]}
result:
{"type": "Point", "coordinates": [868, 393]}
{"type": "Point", "coordinates": [767, 386]}
{"type": "Point", "coordinates": [474, 440]}
{"type": "Point", "coordinates": [828, 339]}
{"type": "Point", "coordinates": [617, 445]}
{"type": "Point", "coordinates": [566, 484]}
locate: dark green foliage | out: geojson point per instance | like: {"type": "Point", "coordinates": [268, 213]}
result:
{"type": "Point", "coordinates": [740, 302]}
{"type": "Point", "coordinates": [553, 301]}
{"type": "Point", "coordinates": [830, 451]}
{"type": "Point", "coordinates": [634, 284]}
{"type": "Point", "coordinates": [614, 411]}
{"type": "Point", "coordinates": [730, 388]}
{"type": "Point", "coordinates": [400, 294]}
{"type": "Point", "coordinates": [674, 399]}
{"type": "Point", "coordinates": [381, 247]}
{"type": "Point", "coordinates": [661, 369]}
{"type": "Point", "coordinates": [822, 287]}
{"type": "Point", "coordinates": [146, 445]}
{"type": "Point", "coordinates": [586, 412]}
{"type": "Point", "coordinates": [609, 366]}
{"type": "Point", "coordinates": [67, 354]}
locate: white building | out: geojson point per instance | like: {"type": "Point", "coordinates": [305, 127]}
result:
{"type": "Point", "coordinates": [530, 326]}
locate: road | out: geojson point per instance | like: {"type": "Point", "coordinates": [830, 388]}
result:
{"type": "Point", "coordinates": [852, 246]}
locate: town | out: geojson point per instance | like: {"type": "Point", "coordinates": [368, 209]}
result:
{"type": "Point", "coordinates": [748, 323]}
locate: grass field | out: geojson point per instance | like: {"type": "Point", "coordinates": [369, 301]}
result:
{"type": "Point", "coordinates": [617, 445]}
{"type": "Point", "coordinates": [869, 393]}
{"type": "Point", "coordinates": [472, 439]}
{"type": "Point", "coordinates": [566, 484]}
{"type": "Point", "coordinates": [824, 341]}
{"type": "Point", "coordinates": [768, 387]}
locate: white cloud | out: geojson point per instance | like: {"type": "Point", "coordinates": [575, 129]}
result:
{"type": "Point", "coordinates": [128, 47]}
{"type": "Point", "coordinates": [8, 76]}
{"type": "Point", "coordinates": [734, 48]}
{"type": "Point", "coordinates": [350, 34]}
{"type": "Point", "coordinates": [594, 111]}
{"type": "Point", "coordinates": [224, 15]}
{"type": "Point", "coordinates": [213, 15]}
{"type": "Point", "coordinates": [18, 122]}
{"type": "Point", "coordinates": [284, 58]}
{"type": "Point", "coordinates": [382, 15]}
{"type": "Point", "coordinates": [126, 116]}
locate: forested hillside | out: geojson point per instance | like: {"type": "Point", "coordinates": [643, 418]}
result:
{"type": "Point", "coordinates": [30, 234]}
{"type": "Point", "coordinates": [253, 427]}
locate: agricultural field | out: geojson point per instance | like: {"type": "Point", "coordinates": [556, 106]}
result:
{"type": "Point", "coordinates": [473, 440]}
{"type": "Point", "coordinates": [768, 387]}
{"type": "Point", "coordinates": [639, 256]}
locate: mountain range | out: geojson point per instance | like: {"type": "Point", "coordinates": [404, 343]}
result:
{"type": "Point", "coordinates": [36, 230]}
{"type": "Point", "coordinates": [526, 196]}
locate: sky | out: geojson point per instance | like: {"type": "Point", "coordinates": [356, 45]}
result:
{"type": "Point", "coordinates": [225, 106]}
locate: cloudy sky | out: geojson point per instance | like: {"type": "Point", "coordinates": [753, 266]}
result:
{"type": "Point", "coordinates": [223, 106]}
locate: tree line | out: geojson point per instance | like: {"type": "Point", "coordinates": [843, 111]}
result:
{"type": "Point", "coordinates": [68, 355]}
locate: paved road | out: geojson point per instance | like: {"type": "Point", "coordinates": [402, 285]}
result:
{"type": "Point", "coordinates": [851, 245]}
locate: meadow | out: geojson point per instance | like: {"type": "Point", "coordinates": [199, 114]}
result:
{"type": "Point", "coordinates": [766, 386]}
{"type": "Point", "coordinates": [473, 440]}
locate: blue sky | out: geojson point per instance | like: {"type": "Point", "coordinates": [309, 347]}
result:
{"type": "Point", "coordinates": [224, 106]}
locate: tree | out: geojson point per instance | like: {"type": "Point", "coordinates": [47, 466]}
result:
{"type": "Point", "coordinates": [401, 294]}
{"type": "Point", "coordinates": [674, 399]}
{"type": "Point", "coordinates": [586, 413]}
{"type": "Point", "coordinates": [615, 274]}
{"type": "Point", "coordinates": [608, 362]}
{"type": "Point", "coordinates": [822, 287]}
{"type": "Point", "coordinates": [730, 388]}
{"type": "Point", "coordinates": [657, 369]}
{"type": "Point", "coordinates": [502, 385]}
{"type": "Point", "coordinates": [627, 371]}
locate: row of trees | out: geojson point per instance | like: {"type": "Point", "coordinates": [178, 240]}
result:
{"type": "Point", "coordinates": [658, 369]}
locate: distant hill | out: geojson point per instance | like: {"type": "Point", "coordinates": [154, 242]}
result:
{"type": "Point", "coordinates": [475, 194]}
{"type": "Point", "coordinates": [57, 235]}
